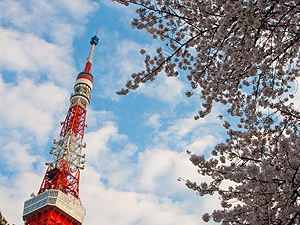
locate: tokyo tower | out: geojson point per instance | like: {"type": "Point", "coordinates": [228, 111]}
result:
{"type": "Point", "coordinates": [57, 201]}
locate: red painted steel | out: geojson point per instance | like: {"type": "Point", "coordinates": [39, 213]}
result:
{"type": "Point", "coordinates": [85, 76]}
{"type": "Point", "coordinates": [51, 216]}
{"type": "Point", "coordinates": [75, 121]}
{"type": "Point", "coordinates": [88, 66]}
{"type": "Point", "coordinates": [60, 178]}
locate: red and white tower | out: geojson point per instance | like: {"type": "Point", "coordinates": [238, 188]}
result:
{"type": "Point", "coordinates": [58, 199]}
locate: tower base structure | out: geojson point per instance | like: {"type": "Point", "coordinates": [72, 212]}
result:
{"type": "Point", "coordinates": [53, 207]}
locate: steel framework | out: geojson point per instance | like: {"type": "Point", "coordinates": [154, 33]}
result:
{"type": "Point", "coordinates": [58, 202]}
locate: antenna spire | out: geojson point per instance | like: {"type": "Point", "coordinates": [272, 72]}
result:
{"type": "Point", "coordinates": [94, 41]}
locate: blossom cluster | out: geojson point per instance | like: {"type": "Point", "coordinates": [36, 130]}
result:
{"type": "Point", "coordinates": [243, 54]}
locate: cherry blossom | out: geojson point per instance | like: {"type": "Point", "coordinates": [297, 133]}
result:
{"type": "Point", "coordinates": [244, 55]}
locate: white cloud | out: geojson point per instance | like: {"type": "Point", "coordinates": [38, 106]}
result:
{"type": "Point", "coordinates": [15, 190]}
{"type": "Point", "coordinates": [169, 90]}
{"type": "Point", "coordinates": [96, 119]}
{"type": "Point", "coordinates": [29, 53]}
{"type": "Point", "coordinates": [79, 9]}
{"type": "Point", "coordinates": [110, 206]}
{"type": "Point", "coordinates": [159, 166]}
{"type": "Point", "coordinates": [21, 173]}
{"type": "Point", "coordinates": [16, 156]}
{"type": "Point", "coordinates": [154, 121]}
{"type": "Point", "coordinates": [199, 144]}
{"type": "Point", "coordinates": [180, 128]}
{"type": "Point", "coordinates": [47, 18]}
{"type": "Point", "coordinates": [98, 140]}
{"type": "Point", "coordinates": [31, 106]}
{"type": "Point", "coordinates": [184, 132]}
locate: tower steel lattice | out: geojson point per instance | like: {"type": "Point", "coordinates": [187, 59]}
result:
{"type": "Point", "coordinates": [57, 201]}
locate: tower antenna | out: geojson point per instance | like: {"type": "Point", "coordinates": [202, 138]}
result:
{"type": "Point", "coordinates": [58, 199]}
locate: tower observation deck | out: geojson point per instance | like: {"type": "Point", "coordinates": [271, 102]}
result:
{"type": "Point", "coordinates": [57, 201]}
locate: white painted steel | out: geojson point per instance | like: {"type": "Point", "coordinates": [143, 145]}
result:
{"type": "Point", "coordinates": [85, 81]}
{"type": "Point", "coordinates": [70, 149]}
{"type": "Point", "coordinates": [79, 99]}
{"type": "Point", "coordinates": [90, 58]}
{"type": "Point", "coordinates": [55, 198]}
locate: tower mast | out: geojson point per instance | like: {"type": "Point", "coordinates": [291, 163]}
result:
{"type": "Point", "coordinates": [58, 199]}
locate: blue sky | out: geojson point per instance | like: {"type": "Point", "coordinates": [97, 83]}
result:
{"type": "Point", "coordinates": [136, 144]}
